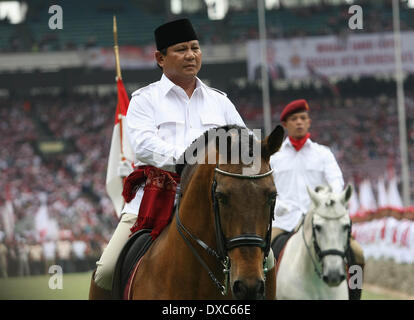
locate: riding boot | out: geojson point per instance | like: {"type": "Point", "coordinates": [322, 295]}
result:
{"type": "Point", "coordinates": [98, 293]}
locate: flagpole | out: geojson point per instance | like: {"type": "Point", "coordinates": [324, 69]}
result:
{"type": "Point", "coordinates": [116, 49]}
{"type": "Point", "coordinates": [118, 77]}
{"type": "Point", "coordinates": [265, 77]}
{"type": "Point", "coordinates": [405, 172]}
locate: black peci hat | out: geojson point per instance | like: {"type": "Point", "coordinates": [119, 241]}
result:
{"type": "Point", "coordinates": [174, 32]}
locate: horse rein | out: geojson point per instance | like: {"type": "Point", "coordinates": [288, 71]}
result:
{"type": "Point", "coordinates": [319, 253]}
{"type": "Point", "coordinates": [223, 244]}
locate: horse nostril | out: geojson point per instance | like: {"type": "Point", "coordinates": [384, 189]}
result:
{"type": "Point", "coordinates": [239, 289]}
{"type": "Point", "coordinates": [333, 278]}
{"type": "Point", "coordinates": [255, 291]}
{"type": "Point", "coordinates": [260, 288]}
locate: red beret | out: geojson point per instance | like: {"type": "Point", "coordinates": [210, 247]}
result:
{"type": "Point", "coordinates": [294, 106]}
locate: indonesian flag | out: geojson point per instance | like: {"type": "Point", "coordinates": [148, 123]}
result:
{"type": "Point", "coordinates": [120, 150]}
{"type": "Point", "coordinates": [394, 197]}
{"type": "Point", "coordinates": [353, 202]}
{"type": "Point", "coordinates": [382, 194]}
{"type": "Point", "coordinates": [7, 214]}
{"type": "Point", "coordinates": [366, 197]}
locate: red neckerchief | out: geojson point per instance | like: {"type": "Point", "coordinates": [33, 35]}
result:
{"type": "Point", "coordinates": [158, 200]}
{"type": "Point", "coordinates": [299, 143]}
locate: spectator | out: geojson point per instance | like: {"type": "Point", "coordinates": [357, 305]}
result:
{"type": "Point", "coordinates": [36, 258]}
{"type": "Point", "coordinates": [64, 250]}
{"type": "Point", "coordinates": [80, 248]}
{"type": "Point", "coordinates": [23, 251]}
{"type": "Point", "coordinates": [49, 254]}
{"type": "Point", "coordinates": [3, 259]}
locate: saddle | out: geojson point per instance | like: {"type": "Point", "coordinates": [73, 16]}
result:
{"type": "Point", "coordinates": [278, 244]}
{"type": "Point", "coordinates": [136, 246]}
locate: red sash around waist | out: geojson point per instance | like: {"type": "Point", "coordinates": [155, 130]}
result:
{"type": "Point", "coordinates": [158, 200]}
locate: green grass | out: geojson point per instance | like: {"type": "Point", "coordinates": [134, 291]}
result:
{"type": "Point", "coordinates": [76, 287]}
{"type": "Point", "coordinates": [368, 295]}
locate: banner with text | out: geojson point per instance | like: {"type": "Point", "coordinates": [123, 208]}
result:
{"type": "Point", "coordinates": [301, 58]}
{"type": "Point", "coordinates": [131, 57]}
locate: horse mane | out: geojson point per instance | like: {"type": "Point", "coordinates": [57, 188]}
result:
{"type": "Point", "coordinates": [185, 169]}
{"type": "Point", "coordinates": [206, 136]}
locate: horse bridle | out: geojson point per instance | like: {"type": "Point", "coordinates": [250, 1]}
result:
{"type": "Point", "coordinates": [319, 253]}
{"type": "Point", "coordinates": [224, 244]}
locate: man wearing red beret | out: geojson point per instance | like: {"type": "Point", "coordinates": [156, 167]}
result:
{"type": "Point", "coordinates": [300, 162]}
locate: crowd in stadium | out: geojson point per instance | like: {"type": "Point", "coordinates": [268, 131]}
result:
{"type": "Point", "coordinates": [24, 257]}
{"type": "Point", "coordinates": [362, 131]}
{"type": "Point", "coordinates": [74, 180]}
{"type": "Point", "coordinates": [239, 25]}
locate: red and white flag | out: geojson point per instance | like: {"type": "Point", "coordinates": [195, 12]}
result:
{"type": "Point", "coordinates": [120, 150]}
{"type": "Point", "coordinates": [394, 197]}
{"type": "Point", "coordinates": [353, 202]}
{"type": "Point", "coordinates": [366, 197]}
{"type": "Point", "coordinates": [382, 193]}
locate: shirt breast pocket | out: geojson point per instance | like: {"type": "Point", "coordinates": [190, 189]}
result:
{"type": "Point", "coordinates": [212, 119]}
{"type": "Point", "coordinates": [314, 172]}
{"type": "Point", "coordinates": [170, 127]}
{"type": "Point", "coordinates": [314, 165]}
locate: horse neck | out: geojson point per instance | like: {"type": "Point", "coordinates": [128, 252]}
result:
{"type": "Point", "coordinates": [195, 206]}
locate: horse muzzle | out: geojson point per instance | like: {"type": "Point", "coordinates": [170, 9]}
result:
{"type": "Point", "coordinates": [333, 270]}
{"type": "Point", "coordinates": [248, 290]}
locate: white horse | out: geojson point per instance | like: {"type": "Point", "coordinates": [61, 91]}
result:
{"type": "Point", "coordinates": [313, 263]}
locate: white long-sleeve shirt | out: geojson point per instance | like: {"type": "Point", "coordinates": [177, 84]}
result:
{"type": "Point", "coordinates": [312, 165]}
{"type": "Point", "coordinates": [162, 121]}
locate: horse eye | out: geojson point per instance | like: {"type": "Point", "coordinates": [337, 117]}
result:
{"type": "Point", "coordinates": [318, 227]}
{"type": "Point", "coordinates": [272, 199]}
{"type": "Point", "coordinates": [221, 197]}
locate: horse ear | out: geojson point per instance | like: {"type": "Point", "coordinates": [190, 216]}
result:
{"type": "Point", "coordinates": [313, 195]}
{"type": "Point", "coordinates": [272, 142]}
{"type": "Point", "coordinates": [346, 194]}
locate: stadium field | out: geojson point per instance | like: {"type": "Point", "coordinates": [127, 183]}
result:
{"type": "Point", "coordinates": [75, 286]}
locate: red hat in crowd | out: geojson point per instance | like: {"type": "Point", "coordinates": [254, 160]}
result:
{"type": "Point", "coordinates": [294, 106]}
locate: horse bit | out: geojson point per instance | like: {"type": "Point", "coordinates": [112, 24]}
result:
{"type": "Point", "coordinates": [223, 244]}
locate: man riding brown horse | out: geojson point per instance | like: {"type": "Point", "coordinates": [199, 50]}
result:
{"type": "Point", "coordinates": [163, 119]}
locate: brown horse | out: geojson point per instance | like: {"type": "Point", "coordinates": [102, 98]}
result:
{"type": "Point", "coordinates": [219, 236]}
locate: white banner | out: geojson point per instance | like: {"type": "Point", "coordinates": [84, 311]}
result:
{"type": "Point", "coordinates": [130, 57]}
{"type": "Point", "coordinates": [359, 54]}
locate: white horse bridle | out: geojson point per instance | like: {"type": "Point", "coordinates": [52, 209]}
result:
{"type": "Point", "coordinates": [319, 253]}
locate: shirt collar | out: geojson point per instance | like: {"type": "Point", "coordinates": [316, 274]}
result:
{"type": "Point", "coordinates": [167, 84]}
{"type": "Point", "coordinates": [288, 143]}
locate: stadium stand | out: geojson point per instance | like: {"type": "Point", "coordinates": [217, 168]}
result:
{"type": "Point", "coordinates": [136, 24]}
{"type": "Point", "coordinates": [360, 124]}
